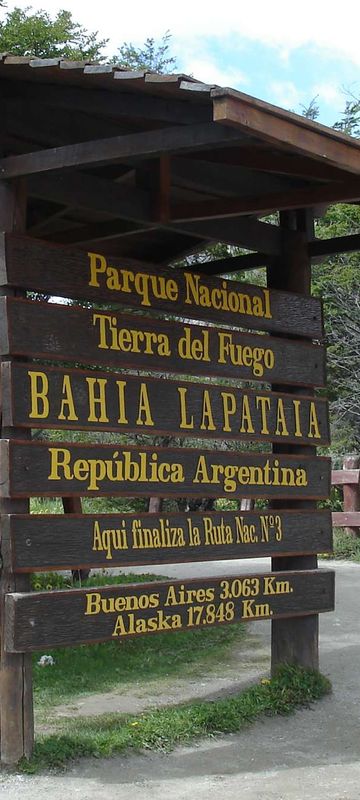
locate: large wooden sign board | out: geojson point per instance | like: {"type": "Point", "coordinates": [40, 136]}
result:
{"type": "Point", "coordinates": [68, 541]}
{"type": "Point", "coordinates": [93, 276]}
{"type": "Point", "coordinates": [48, 397]}
{"type": "Point", "coordinates": [29, 470]}
{"type": "Point", "coordinates": [114, 339]}
{"type": "Point", "coordinates": [53, 619]}
{"type": "Point", "coordinates": [67, 367]}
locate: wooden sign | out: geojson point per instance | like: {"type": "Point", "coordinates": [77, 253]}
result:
{"type": "Point", "coordinates": [54, 619]}
{"type": "Point", "coordinates": [39, 396]}
{"type": "Point", "coordinates": [63, 469]}
{"type": "Point", "coordinates": [37, 265]}
{"type": "Point", "coordinates": [106, 338]}
{"type": "Point", "coordinates": [67, 541]}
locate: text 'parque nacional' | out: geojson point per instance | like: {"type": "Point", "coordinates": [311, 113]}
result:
{"type": "Point", "coordinates": [96, 277]}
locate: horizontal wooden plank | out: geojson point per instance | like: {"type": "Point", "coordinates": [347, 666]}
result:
{"type": "Point", "coordinates": [266, 202]}
{"type": "Point", "coordinates": [54, 619]}
{"type": "Point", "coordinates": [240, 113]}
{"type": "Point", "coordinates": [68, 541]}
{"type": "Point", "coordinates": [148, 144]}
{"type": "Point", "coordinates": [109, 338]}
{"type": "Point", "coordinates": [339, 477]}
{"type": "Point", "coordinates": [36, 396]}
{"type": "Point", "coordinates": [64, 469]}
{"type": "Point", "coordinates": [345, 519]}
{"type": "Point", "coordinates": [81, 190]}
{"type": "Point", "coordinates": [52, 269]}
{"type": "Point", "coordinates": [337, 244]}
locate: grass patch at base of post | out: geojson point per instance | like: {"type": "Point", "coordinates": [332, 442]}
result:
{"type": "Point", "coordinates": [163, 729]}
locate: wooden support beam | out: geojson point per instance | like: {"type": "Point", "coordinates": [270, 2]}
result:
{"type": "Point", "coordinates": [151, 144]}
{"type": "Point", "coordinates": [16, 699]}
{"type": "Point", "coordinates": [268, 201]}
{"type": "Point", "coordinates": [285, 130]}
{"type": "Point", "coordinates": [246, 232]}
{"type": "Point", "coordinates": [294, 641]}
{"type": "Point", "coordinates": [80, 190]}
{"type": "Point", "coordinates": [330, 247]}
{"type": "Point", "coordinates": [316, 248]}
{"type": "Point", "coordinates": [260, 156]}
{"type": "Point", "coordinates": [351, 491]}
{"type": "Point", "coordinates": [223, 266]}
{"type": "Point", "coordinates": [224, 180]}
{"type": "Point", "coordinates": [97, 232]}
{"type": "Point", "coordinates": [88, 191]}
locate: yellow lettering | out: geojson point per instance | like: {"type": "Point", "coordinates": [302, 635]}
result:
{"type": "Point", "coordinates": [67, 401]}
{"type": "Point", "coordinates": [94, 401]}
{"type": "Point", "coordinates": [39, 387]}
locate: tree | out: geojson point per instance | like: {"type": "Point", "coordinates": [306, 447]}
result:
{"type": "Point", "coordinates": [344, 353]}
{"type": "Point", "coordinates": [153, 56]}
{"type": "Point", "coordinates": [36, 34]}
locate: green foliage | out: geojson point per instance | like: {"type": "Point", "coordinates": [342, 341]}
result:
{"type": "Point", "coordinates": [336, 280]}
{"type": "Point", "coordinates": [153, 55]}
{"type": "Point", "coordinates": [346, 546]}
{"type": "Point", "coordinates": [350, 119]}
{"type": "Point", "coordinates": [25, 32]}
{"type": "Point", "coordinates": [291, 688]}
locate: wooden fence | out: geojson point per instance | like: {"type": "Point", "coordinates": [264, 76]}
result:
{"type": "Point", "coordinates": [349, 479]}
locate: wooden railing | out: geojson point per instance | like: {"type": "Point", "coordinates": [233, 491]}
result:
{"type": "Point", "coordinates": [349, 478]}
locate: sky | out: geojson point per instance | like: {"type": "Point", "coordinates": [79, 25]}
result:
{"type": "Point", "coordinates": [284, 52]}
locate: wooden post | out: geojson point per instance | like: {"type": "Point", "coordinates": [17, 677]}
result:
{"type": "Point", "coordinates": [352, 492]}
{"type": "Point", "coordinates": [294, 641]}
{"type": "Point", "coordinates": [16, 700]}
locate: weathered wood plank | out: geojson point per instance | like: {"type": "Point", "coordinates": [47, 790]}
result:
{"type": "Point", "coordinates": [54, 619]}
{"type": "Point", "coordinates": [285, 132]}
{"type": "Point", "coordinates": [80, 190]}
{"type": "Point", "coordinates": [150, 144]}
{"type": "Point", "coordinates": [93, 193]}
{"type": "Point", "coordinates": [93, 276]}
{"type": "Point", "coordinates": [61, 469]}
{"type": "Point", "coordinates": [345, 519]}
{"type": "Point", "coordinates": [341, 477]}
{"type": "Point", "coordinates": [266, 202]}
{"type": "Point", "coordinates": [75, 541]}
{"type": "Point", "coordinates": [338, 244]}
{"type": "Point", "coordinates": [16, 699]}
{"type": "Point", "coordinates": [294, 641]}
{"type": "Point", "coordinates": [36, 396]}
{"type": "Point", "coordinates": [91, 336]}
{"type": "Point", "coordinates": [351, 491]}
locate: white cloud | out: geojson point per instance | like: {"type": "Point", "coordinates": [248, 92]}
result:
{"type": "Point", "coordinates": [209, 72]}
{"type": "Point", "coordinates": [315, 22]}
{"type": "Point", "coordinates": [285, 94]}
{"type": "Point", "coordinates": [329, 93]}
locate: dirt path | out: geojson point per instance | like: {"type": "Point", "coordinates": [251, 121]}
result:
{"type": "Point", "coordinates": [250, 659]}
{"type": "Point", "coordinates": [312, 755]}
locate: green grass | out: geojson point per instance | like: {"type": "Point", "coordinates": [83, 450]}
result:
{"type": "Point", "coordinates": [165, 728]}
{"type": "Point", "coordinates": [101, 667]}
{"type": "Point", "coordinates": [346, 547]}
